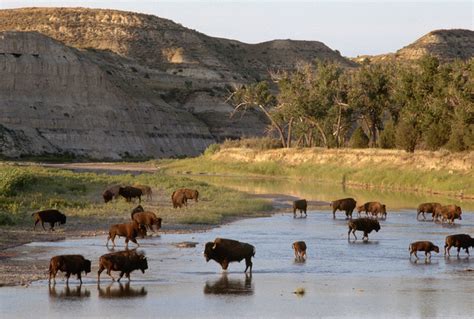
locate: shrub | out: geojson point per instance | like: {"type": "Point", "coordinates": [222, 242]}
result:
{"type": "Point", "coordinates": [359, 139]}
{"type": "Point", "coordinates": [212, 149]}
{"type": "Point", "coordinates": [14, 180]}
{"type": "Point", "coordinates": [387, 136]}
{"type": "Point", "coordinates": [256, 143]}
{"type": "Point", "coordinates": [407, 136]}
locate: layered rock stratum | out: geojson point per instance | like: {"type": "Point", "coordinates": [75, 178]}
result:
{"type": "Point", "coordinates": [108, 84]}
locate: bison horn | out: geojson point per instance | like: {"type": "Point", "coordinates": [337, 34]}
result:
{"type": "Point", "coordinates": [214, 247]}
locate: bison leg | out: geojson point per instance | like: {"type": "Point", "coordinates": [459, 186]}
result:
{"type": "Point", "coordinates": [101, 269]}
{"type": "Point", "coordinates": [68, 274]}
{"type": "Point", "coordinates": [79, 278]}
{"type": "Point", "coordinates": [459, 249]}
{"type": "Point", "coordinates": [36, 222]}
{"type": "Point", "coordinates": [52, 226]}
{"type": "Point", "coordinates": [248, 263]}
{"type": "Point", "coordinates": [109, 272]}
{"type": "Point", "coordinates": [42, 224]}
{"type": "Point", "coordinates": [447, 248]}
{"type": "Point", "coordinates": [414, 252]}
{"type": "Point", "coordinates": [366, 236]}
{"type": "Point", "coordinates": [134, 240]}
{"type": "Point", "coordinates": [53, 273]}
{"type": "Point", "coordinates": [121, 275]}
{"type": "Point", "coordinates": [225, 264]}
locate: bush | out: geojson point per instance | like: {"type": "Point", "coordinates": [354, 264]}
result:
{"type": "Point", "coordinates": [387, 136]}
{"type": "Point", "coordinates": [456, 140]}
{"type": "Point", "coordinates": [14, 180]}
{"type": "Point", "coordinates": [436, 135]}
{"type": "Point", "coordinates": [359, 139]}
{"type": "Point", "coordinates": [6, 219]}
{"type": "Point", "coordinates": [212, 149]}
{"type": "Point", "coordinates": [407, 136]}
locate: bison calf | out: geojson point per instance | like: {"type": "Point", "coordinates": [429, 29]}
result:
{"type": "Point", "coordinates": [178, 198]}
{"type": "Point", "coordinates": [70, 264]}
{"type": "Point", "coordinates": [429, 208]}
{"type": "Point", "coordinates": [345, 204]}
{"type": "Point", "coordinates": [124, 261]}
{"type": "Point", "coordinates": [366, 225]}
{"type": "Point", "coordinates": [147, 219]}
{"type": "Point", "coordinates": [460, 241]}
{"type": "Point", "coordinates": [300, 250]}
{"type": "Point", "coordinates": [300, 205]}
{"type": "Point", "coordinates": [450, 213]}
{"type": "Point", "coordinates": [425, 246]}
{"type": "Point", "coordinates": [51, 216]}
{"type": "Point", "coordinates": [130, 231]}
{"type": "Point", "coordinates": [374, 209]}
{"type": "Point", "coordinates": [224, 251]}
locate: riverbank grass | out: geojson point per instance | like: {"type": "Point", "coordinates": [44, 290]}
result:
{"type": "Point", "coordinates": [26, 189]}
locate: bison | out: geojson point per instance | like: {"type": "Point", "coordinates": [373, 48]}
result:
{"type": "Point", "coordinates": [123, 261]}
{"type": "Point", "coordinates": [460, 241]}
{"type": "Point", "coordinates": [374, 209]}
{"type": "Point", "coordinates": [425, 246]}
{"type": "Point", "coordinates": [110, 193]}
{"type": "Point", "coordinates": [178, 199]}
{"type": "Point", "coordinates": [146, 190]}
{"type": "Point", "coordinates": [190, 193]}
{"type": "Point", "coordinates": [147, 219]}
{"type": "Point", "coordinates": [70, 264]}
{"type": "Point", "coordinates": [130, 231]}
{"type": "Point", "coordinates": [224, 251]}
{"type": "Point", "coordinates": [51, 216]}
{"type": "Point", "coordinates": [300, 250]}
{"type": "Point", "coordinates": [345, 204]}
{"type": "Point", "coordinates": [366, 225]}
{"type": "Point", "coordinates": [301, 205]}
{"type": "Point", "coordinates": [129, 192]}
{"type": "Point", "coordinates": [450, 213]}
{"type": "Point", "coordinates": [429, 208]}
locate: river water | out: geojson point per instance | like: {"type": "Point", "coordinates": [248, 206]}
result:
{"type": "Point", "coordinates": [340, 278]}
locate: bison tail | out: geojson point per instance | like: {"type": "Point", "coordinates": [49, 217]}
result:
{"type": "Point", "coordinates": [253, 253]}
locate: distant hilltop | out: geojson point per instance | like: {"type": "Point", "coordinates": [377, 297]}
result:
{"type": "Point", "coordinates": [107, 84]}
{"type": "Point", "coordinates": [446, 45]}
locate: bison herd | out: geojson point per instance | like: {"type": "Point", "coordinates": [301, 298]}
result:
{"type": "Point", "coordinates": [225, 251]}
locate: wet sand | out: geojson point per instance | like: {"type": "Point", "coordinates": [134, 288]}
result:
{"type": "Point", "coordinates": [340, 278]}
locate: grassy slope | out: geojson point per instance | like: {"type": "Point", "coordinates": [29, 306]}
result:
{"type": "Point", "coordinates": [436, 172]}
{"type": "Point", "coordinates": [24, 190]}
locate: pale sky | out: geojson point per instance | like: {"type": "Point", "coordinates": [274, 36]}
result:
{"type": "Point", "coordinates": [353, 27]}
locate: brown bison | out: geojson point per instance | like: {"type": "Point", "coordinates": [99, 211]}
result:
{"type": "Point", "coordinates": [110, 193]}
{"type": "Point", "coordinates": [366, 225]}
{"type": "Point", "coordinates": [146, 190]}
{"type": "Point", "coordinates": [147, 219]}
{"type": "Point", "coordinates": [450, 213]}
{"type": "Point", "coordinates": [425, 246]}
{"type": "Point", "coordinates": [51, 216]}
{"type": "Point", "coordinates": [130, 231]}
{"type": "Point", "coordinates": [460, 241]}
{"type": "Point", "coordinates": [70, 264]}
{"type": "Point", "coordinates": [345, 204]}
{"type": "Point", "coordinates": [123, 261]}
{"type": "Point", "coordinates": [374, 209]}
{"type": "Point", "coordinates": [178, 199]}
{"type": "Point", "coordinates": [129, 192]}
{"type": "Point", "coordinates": [429, 208]}
{"type": "Point", "coordinates": [300, 249]}
{"type": "Point", "coordinates": [301, 205]}
{"type": "Point", "coordinates": [224, 251]}
{"type": "Point", "coordinates": [190, 193]}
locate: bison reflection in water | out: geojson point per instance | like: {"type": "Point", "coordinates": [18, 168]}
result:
{"type": "Point", "coordinates": [226, 286]}
{"type": "Point", "coordinates": [121, 291]}
{"type": "Point", "coordinates": [67, 292]}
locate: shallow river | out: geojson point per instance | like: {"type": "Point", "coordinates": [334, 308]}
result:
{"type": "Point", "coordinates": [339, 278]}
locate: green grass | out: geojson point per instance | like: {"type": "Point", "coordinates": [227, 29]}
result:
{"type": "Point", "coordinates": [371, 175]}
{"type": "Point", "coordinates": [25, 189]}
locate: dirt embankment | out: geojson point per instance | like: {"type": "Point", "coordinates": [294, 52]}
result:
{"type": "Point", "coordinates": [420, 160]}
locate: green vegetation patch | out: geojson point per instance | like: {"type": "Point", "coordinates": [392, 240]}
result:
{"type": "Point", "coordinates": [26, 189]}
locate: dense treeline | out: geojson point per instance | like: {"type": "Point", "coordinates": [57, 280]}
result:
{"type": "Point", "coordinates": [422, 105]}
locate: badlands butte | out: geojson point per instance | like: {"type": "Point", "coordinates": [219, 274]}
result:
{"type": "Point", "coordinates": [106, 84]}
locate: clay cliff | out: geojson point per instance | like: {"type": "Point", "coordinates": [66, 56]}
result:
{"type": "Point", "coordinates": [109, 84]}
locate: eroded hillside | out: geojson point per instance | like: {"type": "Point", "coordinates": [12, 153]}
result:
{"type": "Point", "coordinates": [113, 84]}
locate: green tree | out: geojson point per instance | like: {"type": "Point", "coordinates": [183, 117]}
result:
{"type": "Point", "coordinates": [359, 139]}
